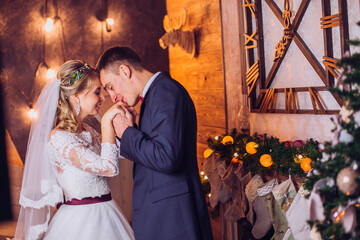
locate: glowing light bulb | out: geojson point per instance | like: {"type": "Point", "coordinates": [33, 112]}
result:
{"type": "Point", "coordinates": [236, 154]}
{"type": "Point", "coordinates": [110, 21]}
{"type": "Point", "coordinates": [300, 156]}
{"type": "Point", "coordinates": [50, 73]}
{"type": "Point", "coordinates": [206, 177]}
{"type": "Point", "coordinates": [49, 24]}
{"type": "Point", "coordinates": [32, 113]}
{"type": "Point", "coordinates": [209, 195]}
{"type": "Point", "coordinates": [202, 173]}
{"type": "Point", "coordinates": [217, 137]}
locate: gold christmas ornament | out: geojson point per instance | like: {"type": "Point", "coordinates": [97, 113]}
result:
{"type": "Point", "coordinates": [305, 164]}
{"type": "Point", "coordinates": [266, 160]}
{"type": "Point", "coordinates": [251, 147]}
{"type": "Point", "coordinates": [208, 152]}
{"type": "Point", "coordinates": [346, 181]}
{"type": "Point", "coordinates": [227, 139]}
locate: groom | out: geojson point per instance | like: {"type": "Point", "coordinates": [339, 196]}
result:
{"type": "Point", "coordinates": [168, 202]}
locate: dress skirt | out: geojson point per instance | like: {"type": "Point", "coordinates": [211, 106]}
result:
{"type": "Point", "coordinates": [89, 222]}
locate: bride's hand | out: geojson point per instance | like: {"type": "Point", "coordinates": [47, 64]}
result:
{"type": "Point", "coordinates": [113, 111]}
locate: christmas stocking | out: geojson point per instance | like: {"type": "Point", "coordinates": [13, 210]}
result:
{"type": "Point", "coordinates": [315, 202]}
{"type": "Point", "coordinates": [262, 223]}
{"type": "Point", "coordinates": [278, 219]}
{"type": "Point", "coordinates": [298, 215]}
{"type": "Point", "coordinates": [284, 195]}
{"type": "Point", "coordinates": [238, 206]}
{"type": "Point", "coordinates": [233, 213]}
{"type": "Point", "coordinates": [210, 167]}
{"type": "Point", "coordinates": [257, 209]}
{"type": "Point", "coordinates": [244, 202]}
{"type": "Point", "coordinates": [227, 175]}
{"type": "Point", "coordinates": [251, 194]}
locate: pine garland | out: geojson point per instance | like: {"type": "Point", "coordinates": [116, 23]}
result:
{"type": "Point", "coordinates": [282, 154]}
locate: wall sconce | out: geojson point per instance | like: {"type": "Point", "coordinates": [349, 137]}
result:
{"type": "Point", "coordinates": [109, 22]}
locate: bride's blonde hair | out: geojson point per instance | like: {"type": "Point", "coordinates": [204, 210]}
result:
{"type": "Point", "coordinates": [75, 77]}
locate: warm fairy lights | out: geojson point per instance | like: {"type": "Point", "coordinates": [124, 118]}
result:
{"type": "Point", "coordinates": [50, 73]}
{"type": "Point", "coordinates": [109, 22]}
{"type": "Point", "coordinates": [49, 24]}
{"type": "Point", "coordinates": [32, 113]}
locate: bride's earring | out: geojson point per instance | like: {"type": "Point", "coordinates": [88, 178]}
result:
{"type": "Point", "coordinates": [77, 108]}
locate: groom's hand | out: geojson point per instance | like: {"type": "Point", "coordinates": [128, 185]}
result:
{"type": "Point", "coordinates": [122, 121]}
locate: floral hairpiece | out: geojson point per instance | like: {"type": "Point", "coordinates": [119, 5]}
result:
{"type": "Point", "coordinates": [76, 75]}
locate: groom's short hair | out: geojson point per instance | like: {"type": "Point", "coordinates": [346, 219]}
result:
{"type": "Point", "coordinates": [112, 58]}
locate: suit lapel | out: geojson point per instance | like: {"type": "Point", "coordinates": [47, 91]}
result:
{"type": "Point", "coordinates": [143, 104]}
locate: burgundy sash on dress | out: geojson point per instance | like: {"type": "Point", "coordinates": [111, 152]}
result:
{"type": "Point", "coordinates": [87, 200]}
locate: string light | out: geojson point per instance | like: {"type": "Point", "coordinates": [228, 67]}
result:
{"type": "Point", "coordinates": [206, 177]}
{"type": "Point", "coordinates": [50, 73]}
{"type": "Point", "coordinates": [202, 173]}
{"type": "Point", "coordinates": [109, 22]}
{"type": "Point", "coordinates": [49, 24]}
{"type": "Point", "coordinates": [32, 112]}
{"type": "Point", "coordinates": [209, 195]}
{"type": "Point", "coordinates": [217, 137]}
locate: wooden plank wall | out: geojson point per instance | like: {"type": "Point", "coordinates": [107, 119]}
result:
{"type": "Point", "coordinates": [16, 168]}
{"type": "Point", "coordinates": [203, 75]}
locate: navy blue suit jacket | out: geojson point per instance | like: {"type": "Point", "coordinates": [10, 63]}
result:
{"type": "Point", "coordinates": [168, 202]}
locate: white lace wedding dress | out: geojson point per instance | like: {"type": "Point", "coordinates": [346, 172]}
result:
{"type": "Point", "coordinates": [83, 164]}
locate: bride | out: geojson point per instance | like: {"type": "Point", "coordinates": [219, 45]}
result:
{"type": "Point", "coordinates": [68, 162]}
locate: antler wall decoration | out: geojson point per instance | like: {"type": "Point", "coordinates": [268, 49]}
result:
{"type": "Point", "coordinates": [175, 35]}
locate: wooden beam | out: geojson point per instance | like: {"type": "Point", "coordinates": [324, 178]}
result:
{"type": "Point", "coordinates": [344, 27]}
{"type": "Point", "coordinates": [314, 96]}
{"type": "Point", "coordinates": [310, 57]}
{"type": "Point", "coordinates": [261, 51]}
{"type": "Point", "coordinates": [298, 89]}
{"type": "Point", "coordinates": [283, 111]}
{"type": "Point", "coordinates": [328, 42]}
{"type": "Point", "coordinates": [233, 60]}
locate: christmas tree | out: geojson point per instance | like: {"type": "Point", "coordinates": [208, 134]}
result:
{"type": "Point", "coordinates": [334, 179]}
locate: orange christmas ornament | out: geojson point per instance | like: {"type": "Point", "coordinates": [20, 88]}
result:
{"type": "Point", "coordinates": [266, 160]}
{"type": "Point", "coordinates": [305, 164]}
{"type": "Point", "coordinates": [208, 152]}
{"type": "Point", "coordinates": [227, 139]}
{"type": "Point", "coordinates": [251, 147]}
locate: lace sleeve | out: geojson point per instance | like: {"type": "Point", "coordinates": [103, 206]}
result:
{"type": "Point", "coordinates": [70, 149]}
